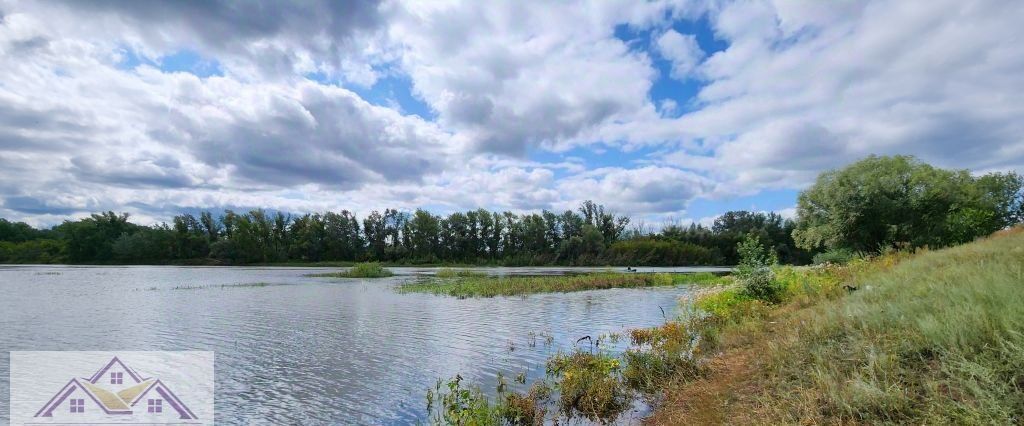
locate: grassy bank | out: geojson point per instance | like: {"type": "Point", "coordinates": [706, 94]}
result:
{"type": "Point", "coordinates": [360, 270]}
{"type": "Point", "coordinates": [464, 284]}
{"type": "Point", "coordinates": [936, 337]}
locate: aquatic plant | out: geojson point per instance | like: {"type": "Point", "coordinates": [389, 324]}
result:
{"type": "Point", "coordinates": [490, 286]}
{"type": "Point", "coordinates": [526, 410]}
{"type": "Point", "coordinates": [360, 270]}
{"type": "Point", "coordinates": [589, 385]}
{"type": "Point", "coordinates": [454, 403]}
{"type": "Point", "coordinates": [457, 273]}
{"type": "Point", "coordinates": [661, 353]}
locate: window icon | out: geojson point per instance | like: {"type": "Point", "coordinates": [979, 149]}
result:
{"type": "Point", "coordinates": [116, 378]}
{"type": "Point", "coordinates": [77, 405]}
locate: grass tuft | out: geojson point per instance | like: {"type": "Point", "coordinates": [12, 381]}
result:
{"type": "Point", "coordinates": [360, 270]}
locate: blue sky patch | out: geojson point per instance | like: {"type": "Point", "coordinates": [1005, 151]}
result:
{"type": "Point", "coordinates": [184, 60]}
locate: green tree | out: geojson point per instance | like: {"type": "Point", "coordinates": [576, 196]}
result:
{"type": "Point", "coordinates": [882, 202]}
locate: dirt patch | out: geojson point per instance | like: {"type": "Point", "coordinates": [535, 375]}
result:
{"type": "Point", "coordinates": [727, 395]}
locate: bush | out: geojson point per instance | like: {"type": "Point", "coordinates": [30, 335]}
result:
{"type": "Point", "coordinates": [761, 284]}
{"type": "Point", "coordinates": [755, 270]}
{"type": "Point", "coordinates": [837, 256]}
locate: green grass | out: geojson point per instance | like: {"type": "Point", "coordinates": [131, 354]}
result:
{"type": "Point", "coordinates": [360, 270]}
{"type": "Point", "coordinates": [457, 273]}
{"type": "Point", "coordinates": [476, 285]}
{"type": "Point", "coordinates": [938, 338]}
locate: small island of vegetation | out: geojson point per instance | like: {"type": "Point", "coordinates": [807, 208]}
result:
{"type": "Point", "coordinates": [360, 270]}
{"type": "Point", "coordinates": [463, 285]}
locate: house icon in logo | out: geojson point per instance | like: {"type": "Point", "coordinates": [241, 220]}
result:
{"type": "Point", "coordinates": [116, 390]}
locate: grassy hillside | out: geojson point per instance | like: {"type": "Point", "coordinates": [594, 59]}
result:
{"type": "Point", "coordinates": [937, 337]}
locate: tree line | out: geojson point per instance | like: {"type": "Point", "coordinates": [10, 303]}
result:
{"type": "Point", "coordinates": [873, 205]}
{"type": "Point", "coordinates": [589, 235]}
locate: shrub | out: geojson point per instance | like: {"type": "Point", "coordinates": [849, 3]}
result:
{"type": "Point", "coordinates": [837, 256]}
{"type": "Point", "coordinates": [755, 270]}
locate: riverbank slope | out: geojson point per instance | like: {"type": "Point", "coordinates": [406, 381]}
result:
{"type": "Point", "coordinates": [936, 337]}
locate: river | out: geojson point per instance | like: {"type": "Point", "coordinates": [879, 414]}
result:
{"type": "Point", "coordinates": [345, 350]}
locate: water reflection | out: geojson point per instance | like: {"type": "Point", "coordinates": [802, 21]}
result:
{"type": "Point", "coordinates": [346, 351]}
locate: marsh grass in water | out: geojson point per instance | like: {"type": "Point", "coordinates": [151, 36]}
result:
{"type": "Point", "coordinates": [457, 273]}
{"type": "Point", "coordinates": [589, 385]}
{"type": "Point", "coordinates": [454, 403]}
{"type": "Point", "coordinates": [463, 286]}
{"type": "Point", "coordinates": [360, 270]}
{"type": "Point", "coordinates": [214, 286]}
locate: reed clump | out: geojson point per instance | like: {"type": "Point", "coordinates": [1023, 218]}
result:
{"type": "Point", "coordinates": [360, 270]}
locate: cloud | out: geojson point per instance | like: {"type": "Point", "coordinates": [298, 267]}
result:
{"type": "Point", "coordinates": [682, 51]}
{"type": "Point", "coordinates": [36, 206]}
{"type": "Point", "coordinates": [517, 75]}
{"type": "Point", "coordinates": [802, 89]}
{"type": "Point", "coordinates": [642, 190]}
{"type": "Point", "coordinates": [253, 39]}
{"type": "Point", "coordinates": [286, 112]}
{"type": "Point", "coordinates": [163, 171]}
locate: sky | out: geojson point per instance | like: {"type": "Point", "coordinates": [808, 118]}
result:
{"type": "Point", "coordinates": [667, 111]}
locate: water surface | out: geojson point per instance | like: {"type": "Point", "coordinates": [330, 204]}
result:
{"type": "Point", "coordinates": [346, 350]}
